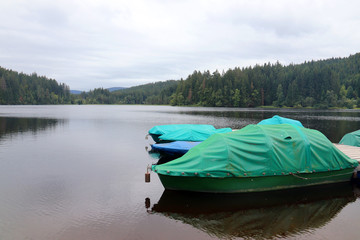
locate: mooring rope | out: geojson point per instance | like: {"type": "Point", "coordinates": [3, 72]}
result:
{"type": "Point", "coordinates": [304, 178]}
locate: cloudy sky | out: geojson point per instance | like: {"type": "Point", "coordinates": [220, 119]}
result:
{"type": "Point", "coordinates": [112, 43]}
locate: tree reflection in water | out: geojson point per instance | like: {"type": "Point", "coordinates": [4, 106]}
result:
{"type": "Point", "coordinates": [13, 125]}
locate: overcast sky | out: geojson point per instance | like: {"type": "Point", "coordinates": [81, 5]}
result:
{"type": "Point", "coordinates": [101, 43]}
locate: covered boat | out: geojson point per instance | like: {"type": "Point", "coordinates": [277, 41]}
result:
{"type": "Point", "coordinates": [280, 120]}
{"type": "Point", "coordinates": [184, 132]}
{"type": "Point", "coordinates": [177, 147]}
{"type": "Point", "coordinates": [351, 139]}
{"type": "Point", "coordinates": [258, 158]}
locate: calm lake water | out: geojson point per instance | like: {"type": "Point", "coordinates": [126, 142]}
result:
{"type": "Point", "coordinates": [77, 172]}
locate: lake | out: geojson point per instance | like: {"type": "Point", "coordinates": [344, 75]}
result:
{"type": "Point", "coordinates": [77, 172]}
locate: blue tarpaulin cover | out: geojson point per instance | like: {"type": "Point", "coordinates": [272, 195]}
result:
{"type": "Point", "coordinates": [177, 147]}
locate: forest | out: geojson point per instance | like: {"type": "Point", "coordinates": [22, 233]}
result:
{"type": "Point", "coordinates": [20, 88]}
{"type": "Point", "coordinates": [326, 83]}
{"type": "Point", "coordinates": [321, 84]}
{"type": "Point", "coordinates": [157, 93]}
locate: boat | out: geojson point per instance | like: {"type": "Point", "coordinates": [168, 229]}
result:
{"type": "Point", "coordinates": [181, 147]}
{"type": "Point", "coordinates": [350, 142]}
{"type": "Point", "coordinates": [174, 148]}
{"type": "Point", "coordinates": [258, 158]}
{"type": "Point", "coordinates": [354, 153]}
{"type": "Point", "coordinates": [184, 132]}
{"type": "Point", "coordinates": [280, 120]}
{"type": "Point", "coordinates": [351, 139]}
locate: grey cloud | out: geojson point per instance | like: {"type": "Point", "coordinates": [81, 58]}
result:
{"type": "Point", "coordinates": [123, 43]}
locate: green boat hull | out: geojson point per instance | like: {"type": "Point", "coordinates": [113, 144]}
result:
{"type": "Point", "coordinates": [253, 184]}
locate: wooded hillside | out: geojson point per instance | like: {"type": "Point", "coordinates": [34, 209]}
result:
{"type": "Point", "coordinates": [152, 93]}
{"type": "Point", "coordinates": [20, 88]}
{"type": "Point", "coordinates": [328, 83]}
{"type": "Point", "coordinates": [322, 84]}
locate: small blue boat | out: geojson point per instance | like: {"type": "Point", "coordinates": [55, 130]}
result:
{"type": "Point", "coordinates": [177, 147]}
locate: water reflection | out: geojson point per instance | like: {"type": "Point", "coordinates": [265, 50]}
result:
{"type": "Point", "coordinates": [277, 214]}
{"type": "Point", "coordinates": [85, 180]}
{"type": "Point", "coordinates": [11, 125]}
{"type": "Point", "coordinates": [162, 158]}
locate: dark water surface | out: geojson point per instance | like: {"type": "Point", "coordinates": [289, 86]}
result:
{"type": "Point", "coordinates": [77, 172]}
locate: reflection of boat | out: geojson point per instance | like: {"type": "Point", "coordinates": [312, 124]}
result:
{"type": "Point", "coordinates": [258, 158]}
{"type": "Point", "coordinates": [165, 158]}
{"type": "Point", "coordinates": [184, 132]}
{"type": "Point", "coordinates": [174, 148]}
{"type": "Point", "coordinates": [256, 215]}
{"type": "Point", "coordinates": [162, 158]}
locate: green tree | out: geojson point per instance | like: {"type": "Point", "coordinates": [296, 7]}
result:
{"type": "Point", "coordinates": [279, 95]}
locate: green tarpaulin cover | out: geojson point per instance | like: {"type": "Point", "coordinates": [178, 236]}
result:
{"type": "Point", "coordinates": [186, 132]}
{"type": "Point", "coordinates": [352, 139]}
{"type": "Point", "coordinates": [280, 120]}
{"type": "Point", "coordinates": [259, 150]}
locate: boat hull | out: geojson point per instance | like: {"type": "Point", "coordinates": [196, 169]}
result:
{"type": "Point", "coordinates": [174, 148]}
{"type": "Point", "coordinates": [253, 184]}
{"type": "Point", "coordinates": [155, 137]}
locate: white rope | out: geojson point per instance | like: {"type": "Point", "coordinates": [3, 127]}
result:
{"type": "Point", "coordinates": [318, 177]}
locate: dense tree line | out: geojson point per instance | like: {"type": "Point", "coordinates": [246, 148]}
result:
{"type": "Point", "coordinates": [20, 88]}
{"type": "Point", "coordinates": [152, 93]}
{"type": "Point", "coordinates": [321, 84]}
{"type": "Point", "coordinates": [327, 83]}
{"type": "Point", "coordinates": [96, 96]}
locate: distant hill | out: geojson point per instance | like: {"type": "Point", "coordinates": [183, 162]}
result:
{"type": "Point", "coordinates": [112, 89]}
{"type": "Point", "coordinates": [151, 93]}
{"type": "Point", "coordinates": [75, 92]}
